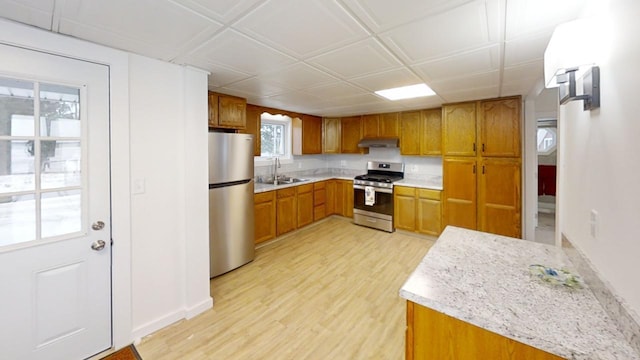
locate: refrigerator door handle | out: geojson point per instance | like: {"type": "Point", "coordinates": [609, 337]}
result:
{"type": "Point", "coordinates": [230, 183]}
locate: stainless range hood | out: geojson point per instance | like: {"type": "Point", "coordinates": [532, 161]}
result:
{"type": "Point", "coordinates": [379, 142]}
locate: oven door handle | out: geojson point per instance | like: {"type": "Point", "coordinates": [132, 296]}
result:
{"type": "Point", "coordinates": [380, 190]}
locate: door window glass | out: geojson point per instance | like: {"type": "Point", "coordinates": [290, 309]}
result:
{"type": "Point", "coordinates": [41, 165]}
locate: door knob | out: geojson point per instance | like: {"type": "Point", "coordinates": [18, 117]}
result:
{"type": "Point", "coordinates": [98, 245]}
{"type": "Point", "coordinates": [98, 225]}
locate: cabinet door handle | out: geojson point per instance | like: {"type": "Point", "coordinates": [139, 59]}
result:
{"type": "Point", "coordinates": [474, 169]}
{"type": "Point", "coordinates": [474, 147]}
{"type": "Point", "coordinates": [482, 147]}
{"type": "Point", "coordinates": [482, 169]}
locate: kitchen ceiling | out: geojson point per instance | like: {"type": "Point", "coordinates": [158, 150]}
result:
{"type": "Point", "coordinates": [326, 57]}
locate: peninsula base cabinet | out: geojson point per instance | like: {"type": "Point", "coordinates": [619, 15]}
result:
{"type": "Point", "coordinates": [432, 335]}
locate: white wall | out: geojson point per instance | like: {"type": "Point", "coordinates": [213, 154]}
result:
{"type": "Point", "coordinates": [161, 127]}
{"type": "Point", "coordinates": [158, 114]}
{"type": "Point", "coordinates": [598, 160]}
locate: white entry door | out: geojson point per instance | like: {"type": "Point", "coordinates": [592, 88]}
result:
{"type": "Point", "coordinates": [55, 237]}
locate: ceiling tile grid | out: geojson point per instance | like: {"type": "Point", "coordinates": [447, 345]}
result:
{"type": "Point", "coordinates": [326, 56]}
{"type": "Point", "coordinates": [33, 12]}
{"type": "Point", "coordinates": [301, 28]}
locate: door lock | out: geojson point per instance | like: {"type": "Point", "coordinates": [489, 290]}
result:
{"type": "Point", "coordinates": [98, 225]}
{"type": "Point", "coordinates": [98, 245]}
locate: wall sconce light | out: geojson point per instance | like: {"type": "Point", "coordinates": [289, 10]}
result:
{"type": "Point", "coordinates": [570, 55]}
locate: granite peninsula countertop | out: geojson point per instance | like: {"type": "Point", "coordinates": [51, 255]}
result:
{"type": "Point", "coordinates": [483, 279]}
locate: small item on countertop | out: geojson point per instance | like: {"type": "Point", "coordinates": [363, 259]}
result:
{"type": "Point", "coordinates": [556, 276]}
{"type": "Point", "coordinates": [369, 195]}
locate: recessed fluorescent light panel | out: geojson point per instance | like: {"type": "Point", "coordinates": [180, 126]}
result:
{"type": "Point", "coordinates": [406, 92]}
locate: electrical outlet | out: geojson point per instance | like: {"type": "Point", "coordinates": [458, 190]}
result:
{"type": "Point", "coordinates": [343, 163]}
{"type": "Point", "coordinates": [593, 223]}
{"type": "Point", "coordinates": [299, 165]}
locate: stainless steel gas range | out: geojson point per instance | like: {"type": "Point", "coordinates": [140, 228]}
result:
{"type": "Point", "coordinates": [373, 195]}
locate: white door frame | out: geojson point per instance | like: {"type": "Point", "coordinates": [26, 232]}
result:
{"type": "Point", "coordinates": [117, 61]}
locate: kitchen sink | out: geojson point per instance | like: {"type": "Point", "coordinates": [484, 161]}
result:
{"type": "Point", "coordinates": [282, 180]}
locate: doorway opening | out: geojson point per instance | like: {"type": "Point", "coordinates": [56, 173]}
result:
{"type": "Point", "coordinates": [547, 147]}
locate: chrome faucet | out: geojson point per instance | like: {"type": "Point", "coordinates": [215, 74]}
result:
{"type": "Point", "coordinates": [276, 165]}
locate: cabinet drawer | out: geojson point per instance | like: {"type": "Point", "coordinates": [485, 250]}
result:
{"type": "Point", "coordinates": [319, 185]}
{"type": "Point", "coordinates": [260, 198]}
{"type": "Point", "coordinates": [282, 193]}
{"type": "Point", "coordinates": [301, 189]}
{"type": "Point", "coordinates": [429, 194]}
{"type": "Point", "coordinates": [319, 196]}
{"type": "Point", "coordinates": [403, 190]}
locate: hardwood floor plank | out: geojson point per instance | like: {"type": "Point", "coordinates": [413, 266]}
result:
{"type": "Point", "coordinates": [327, 291]}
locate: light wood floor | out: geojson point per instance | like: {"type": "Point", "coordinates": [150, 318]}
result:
{"type": "Point", "coordinates": [328, 291]}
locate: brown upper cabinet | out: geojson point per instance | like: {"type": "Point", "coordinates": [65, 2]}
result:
{"type": "Point", "coordinates": [351, 133]}
{"type": "Point", "coordinates": [499, 127]}
{"type": "Point", "coordinates": [253, 127]}
{"type": "Point", "coordinates": [459, 129]}
{"type": "Point", "coordinates": [421, 132]}
{"type": "Point", "coordinates": [307, 135]}
{"type": "Point", "coordinates": [331, 135]}
{"type": "Point", "coordinates": [381, 125]}
{"type": "Point", "coordinates": [227, 111]}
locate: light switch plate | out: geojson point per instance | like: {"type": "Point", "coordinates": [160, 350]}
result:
{"type": "Point", "coordinates": [138, 186]}
{"type": "Point", "coordinates": [593, 223]}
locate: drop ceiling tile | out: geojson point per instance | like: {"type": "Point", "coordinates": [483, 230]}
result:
{"type": "Point", "coordinates": [479, 61]}
{"type": "Point", "coordinates": [256, 87]}
{"type": "Point", "coordinates": [302, 28]}
{"type": "Point", "coordinates": [117, 23]}
{"type": "Point", "coordinates": [299, 76]}
{"type": "Point", "coordinates": [220, 10]}
{"type": "Point", "coordinates": [32, 12]}
{"type": "Point", "coordinates": [362, 58]}
{"type": "Point", "coordinates": [387, 79]}
{"type": "Point", "coordinates": [533, 16]}
{"type": "Point", "coordinates": [297, 97]}
{"type": "Point", "coordinates": [522, 78]}
{"type": "Point", "coordinates": [427, 102]}
{"type": "Point", "coordinates": [384, 14]}
{"type": "Point", "coordinates": [471, 94]}
{"type": "Point", "coordinates": [478, 81]}
{"type": "Point", "coordinates": [237, 51]}
{"type": "Point", "coordinates": [335, 91]}
{"type": "Point", "coordinates": [220, 76]}
{"type": "Point", "coordinates": [526, 48]}
{"type": "Point", "coordinates": [464, 28]}
{"type": "Point", "coordinates": [359, 99]}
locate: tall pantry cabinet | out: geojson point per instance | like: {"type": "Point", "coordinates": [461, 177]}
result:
{"type": "Point", "coordinates": [481, 165]}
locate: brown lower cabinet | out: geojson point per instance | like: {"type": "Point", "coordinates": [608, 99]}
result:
{"type": "Point", "coordinates": [281, 211]}
{"type": "Point", "coordinates": [417, 210]}
{"type": "Point", "coordinates": [304, 200]}
{"type": "Point", "coordinates": [286, 210]}
{"type": "Point", "coordinates": [434, 335]}
{"type": "Point", "coordinates": [265, 216]}
{"type": "Point", "coordinates": [319, 200]}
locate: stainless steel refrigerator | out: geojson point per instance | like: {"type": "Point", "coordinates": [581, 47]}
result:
{"type": "Point", "coordinates": [231, 225]}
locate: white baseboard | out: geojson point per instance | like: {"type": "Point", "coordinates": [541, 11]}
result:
{"type": "Point", "coordinates": [199, 308]}
{"type": "Point", "coordinates": [164, 321]}
{"type": "Point", "coordinates": [155, 325]}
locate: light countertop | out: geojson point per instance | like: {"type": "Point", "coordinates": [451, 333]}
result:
{"type": "Point", "coordinates": [425, 182]}
{"type": "Point", "coordinates": [484, 279]}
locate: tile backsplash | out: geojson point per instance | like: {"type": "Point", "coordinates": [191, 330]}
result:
{"type": "Point", "coordinates": [415, 166]}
